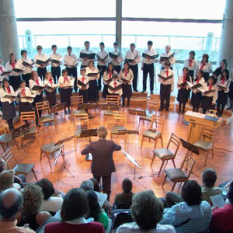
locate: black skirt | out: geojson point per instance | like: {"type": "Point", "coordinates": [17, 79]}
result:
{"type": "Point", "coordinates": [25, 107]}
{"type": "Point", "coordinates": [127, 90]}
{"type": "Point", "coordinates": [37, 99]}
{"type": "Point", "coordinates": [206, 102]}
{"type": "Point", "coordinates": [206, 76]}
{"type": "Point", "coordinates": [65, 96]}
{"type": "Point", "coordinates": [196, 100]}
{"type": "Point", "coordinates": [15, 81]}
{"type": "Point", "coordinates": [105, 91]}
{"type": "Point", "coordinates": [222, 97]}
{"type": "Point", "coordinates": [8, 111]}
{"type": "Point", "coordinates": [231, 91]}
{"type": "Point", "coordinates": [84, 94]}
{"type": "Point", "coordinates": [51, 97]}
{"type": "Point", "coordinates": [183, 95]}
{"type": "Point", "coordinates": [93, 91]}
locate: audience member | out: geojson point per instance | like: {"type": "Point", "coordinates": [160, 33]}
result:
{"type": "Point", "coordinates": [192, 215]}
{"type": "Point", "coordinates": [95, 211]}
{"type": "Point", "coordinates": [73, 212]}
{"type": "Point", "coordinates": [147, 211]}
{"type": "Point", "coordinates": [11, 206]}
{"type": "Point", "coordinates": [7, 180]}
{"type": "Point", "coordinates": [32, 214]}
{"type": "Point", "coordinates": [50, 203]}
{"type": "Point", "coordinates": [222, 217]}
{"type": "Point", "coordinates": [96, 185]}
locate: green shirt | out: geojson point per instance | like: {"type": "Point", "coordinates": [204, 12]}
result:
{"type": "Point", "coordinates": [103, 218]}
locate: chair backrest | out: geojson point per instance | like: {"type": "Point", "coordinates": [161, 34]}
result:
{"type": "Point", "coordinates": [123, 205]}
{"type": "Point", "coordinates": [8, 156]}
{"type": "Point", "coordinates": [175, 140]}
{"type": "Point", "coordinates": [60, 106]}
{"type": "Point", "coordinates": [158, 121]}
{"type": "Point", "coordinates": [208, 134]}
{"type": "Point", "coordinates": [81, 119]}
{"type": "Point", "coordinates": [188, 164]}
{"type": "Point", "coordinates": [53, 109]}
{"type": "Point", "coordinates": [42, 136]}
{"type": "Point", "coordinates": [75, 101]}
{"type": "Point", "coordinates": [119, 118]}
{"type": "Point", "coordinates": [153, 105]}
{"type": "Point", "coordinates": [109, 230]}
{"type": "Point", "coordinates": [121, 217]}
{"type": "Point", "coordinates": [115, 99]}
{"type": "Point", "coordinates": [30, 117]}
{"type": "Point", "coordinates": [41, 106]}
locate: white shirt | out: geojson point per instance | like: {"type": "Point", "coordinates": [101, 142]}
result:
{"type": "Point", "coordinates": [32, 83]}
{"type": "Point", "coordinates": [134, 228]}
{"type": "Point", "coordinates": [53, 204]}
{"type": "Point", "coordinates": [131, 55]}
{"type": "Point", "coordinates": [112, 84]}
{"type": "Point", "coordinates": [150, 52]}
{"type": "Point", "coordinates": [169, 81]}
{"type": "Point", "coordinates": [2, 68]}
{"type": "Point", "coordinates": [86, 80]}
{"type": "Point", "coordinates": [3, 93]}
{"type": "Point", "coordinates": [206, 68]}
{"type": "Point", "coordinates": [202, 81]}
{"type": "Point", "coordinates": [27, 93]}
{"type": "Point", "coordinates": [172, 60]}
{"type": "Point", "coordinates": [193, 64]}
{"type": "Point", "coordinates": [55, 56]}
{"type": "Point", "coordinates": [102, 54]}
{"type": "Point", "coordinates": [106, 76]}
{"type": "Point", "coordinates": [70, 60]}
{"type": "Point", "coordinates": [85, 63]}
{"type": "Point", "coordinates": [205, 87]}
{"type": "Point", "coordinates": [180, 80]}
{"type": "Point", "coordinates": [65, 83]}
{"type": "Point", "coordinates": [50, 84]}
{"type": "Point", "coordinates": [226, 84]}
{"type": "Point", "coordinates": [40, 56]}
{"type": "Point", "coordinates": [129, 76]}
{"type": "Point", "coordinates": [20, 65]}
{"type": "Point", "coordinates": [93, 70]}
{"type": "Point", "coordinates": [10, 67]}
{"type": "Point", "coordinates": [119, 58]}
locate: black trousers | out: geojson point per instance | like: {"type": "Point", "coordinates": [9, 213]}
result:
{"type": "Point", "coordinates": [117, 69]}
{"type": "Point", "coordinates": [151, 70]}
{"type": "Point", "coordinates": [101, 69]}
{"type": "Point", "coordinates": [56, 73]}
{"type": "Point", "coordinates": [26, 78]}
{"type": "Point", "coordinates": [135, 74]}
{"type": "Point", "coordinates": [73, 72]}
{"type": "Point", "coordinates": [165, 93]}
{"type": "Point", "coordinates": [84, 93]}
{"type": "Point", "coordinates": [106, 184]}
{"type": "Point", "coordinates": [41, 72]}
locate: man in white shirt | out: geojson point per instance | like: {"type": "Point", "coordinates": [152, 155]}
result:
{"type": "Point", "coordinates": [167, 53]}
{"type": "Point", "coordinates": [102, 58]}
{"type": "Point", "coordinates": [118, 60]}
{"type": "Point", "coordinates": [41, 69]}
{"type": "Point", "coordinates": [86, 50]}
{"type": "Point", "coordinates": [148, 67]}
{"type": "Point", "coordinates": [134, 55]}
{"type": "Point", "coordinates": [55, 66]}
{"type": "Point", "coordinates": [71, 62]}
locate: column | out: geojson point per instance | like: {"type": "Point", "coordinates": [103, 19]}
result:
{"type": "Point", "coordinates": [8, 31]}
{"type": "Point", "coordinates": [118, 21]}
{"type": "Point", "coordinates": [226, 42]}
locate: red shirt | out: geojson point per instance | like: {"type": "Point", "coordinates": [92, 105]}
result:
{"type": "Point", "coordinates": [60, 227]}
{"type": "Point", "coordinates": [222, 219]}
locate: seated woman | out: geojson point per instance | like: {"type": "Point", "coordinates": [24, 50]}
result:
{"type": "Point", "coordinates": [7, 180]}
{"type": "Point", "coordinates": [147, 211]}
{"type": "Point", "coordinates": [73, 212]}
{"type": "Point", "coordinates": [32, 214]}
{"type": "Point", "coordinates": [191, 215]}
{"type": "Point", "coordinates": [95, 211]}
{"type": "Point", "coordinates": [50, 203]}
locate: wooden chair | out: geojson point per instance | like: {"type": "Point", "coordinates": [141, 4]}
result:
{"type": "Point", "coordinates": [29, 117]}
{"type": "Point", "coordinates": [20, 168]}
{"type": "Point", "coordinates": [165, 154]}
{"type": "Point", "coordinates": [152, 105]}
{"type": "Point", "coordinates": [157, 132]}
{"type": "Point", "coordinates": [75, 101]}
{"type": "Point", "coordinates": [206, 141]}
{"type": "Point", "coordinates": [44, 106]}
{"type": "Point", "coordinates": [111, 99]}
{"type": "Point", "coordinates": [119, 123]}
{"type": "Point", "coordinates": [48, 149]}
{"type": "Point", "coordinates": [181, 174]}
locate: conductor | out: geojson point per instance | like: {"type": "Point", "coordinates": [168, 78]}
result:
{"type": "Point", "coordinates": [102, 163]}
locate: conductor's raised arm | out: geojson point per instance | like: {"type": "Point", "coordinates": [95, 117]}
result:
{"type": "Point", "coordinates": [116, 147]}
{"type": "Point", "coordinates": [86, 150]}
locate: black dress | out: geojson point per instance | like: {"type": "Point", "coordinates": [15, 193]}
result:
{"type": "Point", "coordinates": [183, 95]}
{"type": "Point", "coordinates": [206, 102]}
{"type": "Point", "coordinates": [222, 97]}
{"type": "Point", "coordinates": [65, 96]}
{"type": "Point", "coordinates": [127, 90]}
{"type": "Point", "coordinates": [196, 99]}
{"type": "Point", "coordinates": [51, 97]}
{"type": "Point", "coordinates": [25, 107]}
{"type": "Point", "coordinates": [8, 111]}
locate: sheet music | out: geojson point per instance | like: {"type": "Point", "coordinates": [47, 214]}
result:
{"type": "Point", "coordinates": [218, 200]}
{"type": "Point", "coordinates": [131, 159]}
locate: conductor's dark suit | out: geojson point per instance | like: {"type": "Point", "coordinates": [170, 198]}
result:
{"type": "Point", "coordinates": [102, 163]}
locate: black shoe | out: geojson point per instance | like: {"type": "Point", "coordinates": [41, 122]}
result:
{"type": "Point", "coordinates": [136, 90]}
{"type": "Point", "coordinates": [65, 111]}
{"type": "Point", "coordinates": [69, 111]}
{"type": "Point", "coordinates": [160, 109]}
{"type": "Point", "coordinates": [122, 105]}
{"type": "Point", "coordinates": [127, 105]}
{"type": "Point", "coordinates": [143, 91]}
{"type": "Point", "coordinates": [230, 108]}
{"type": "Point", "coordinates": [151, 92]}
{"type": "Point", "coordinates": [57, 113]}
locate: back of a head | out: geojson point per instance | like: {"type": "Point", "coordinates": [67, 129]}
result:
{"type": "Point", "coordinates": [191, 193]}
{"type": "Point", "coordinates": [209, 177]}
{"type": "Point", "coordinates": [87, 185]}
{"type": "Point", "coordinates": [2, 165]}
{"type": "Point", "coordinates": [127, 185]}
{"type": "Point", "coordinates": [102, 132]}
{"type": "Point", "coordinates": [93, 203]}
{"type": "Point", "coordinates": [147, 210]}
{"type": "Point", "coordinates": [230, 193]}
{"type": "Point", "coordinates": [75, 205]}
{"type": "Point", "coordinates": [96, 184]}
{"type": "Point", "coordinates": [47, 187]}
{"type": "Point", "coordinates": [6, 180]}
{"type": "Point", "coordinates": [11, 201]}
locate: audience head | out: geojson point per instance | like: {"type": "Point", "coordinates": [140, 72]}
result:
{"type": "Point", "coordinates": [147, 210]}
{"type": "Point", "coordinates": [6, 180]}
{"type": "Point", "coordinates": [191, 54]}
{"type": "Point", "coordinates": [94, 207]}
{"type": "Point", "coordinates": [54, 48]}
{"type": "Point", "coordinates": [24, 53]}
{"type": "Point", "coordinates": [2, 165]}
{"type": "Point", "coordinates": [102, 132]}
{"type": "Point", "coordinates": [75, 205]}
{"type": "Point", "coordinates": [230, 193]}
{"type": "Point", "coordinates": [191, 193]}
{"type": "Point", "coordinates": [96, 184]}
{"type": "Point", "coordinates": [209, 177]}
{"type": "Point", "coordinates": [69, 49]}
{"type": "Point", "coordinates": [33, 198]}
{"type": "Point", "coordinates": [39, 48]}
{"type": "Point", "coordinates": [115, 77]}
{"type": "Point", "coordinates": [87, 185]}
{"type": "Point", "coordinates": [87, 44]}
{"type": "Point", "coordinates": [205, 58]}
{"type": "Point", "coordinates": [149, 44]}
{"type": "Point", "coordinates": [47, 187]}
{"type": "Point", "coordinates": [127, 185]}
{"type": "Point", "coordinates": [223, 63]}
{"type": "Point", "coordinates": [168, 48]}
{"type": "Point", "coordinates": [11, 205]}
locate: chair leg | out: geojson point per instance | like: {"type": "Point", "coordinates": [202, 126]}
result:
{"type": "Point", "coordinates": [33, 172]}
{"type": "Point", "coordinates": [16, 145]}
{"type": "Point", "coordinates": [161, 167]}
{"type": "Point", "coordinates": [142, 141]}
{"type": "Point", "coordinates": [164, 180]}
{"type": "Point", "coordinates": [41, 153]}
{"type": "Point", "coordinates": [212, 152]}
{"type": "Point", "coordinates": [152, 160]}
{"type": "Point", "coordinates": [174, 163]}
{"type": "Point", "coordinates": [207, 154]}
{"type": "Point", "coordinates": [139, 124]}
{"type": "Point", "coordinates": [155, 144]}
{"type": "Point", "coordinates": [49, 160]}
{"type": "Point", "coordinates": [161, 140]}
{"type": "Point", "coordinates": [174, 184]}
{"type": "Point", "coordinates": [75, 143]}
{"type": "Point", "coordinates": [4, 150]}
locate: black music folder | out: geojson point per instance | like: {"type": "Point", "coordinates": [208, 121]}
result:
{"type": "Point", "coordinates": [55, 61]}
{"type": "Point", "coordinates": [17, 70]}
{"type": "Point", "coordinates": [167, 58]}
{"type": "Point", "coordinates": [6, 72]}
{"type": "Point", "coordinates": [24, 63]}
{"type": "Point", "coordinates": [102, 59]}
{"type": "Point", "coordinates": [130, 60]}
{"type": "Point", "coordinates": [41, 62]}
{"type": "Point", "coordinates": [183, 84]}
{"type": "Point", "coordinates": [115, 88]}
{"type": "Point", "coordinates": [151, 57]}
{"type": "Point", "coordinates": [37, 88]}
{"type": "Point", "coordinates": [82, 84]}
{"type": "Point", "coordinates": [165, 78]}
{"type": "Point", "coordinates": [89, 55]}
{"type": "Point", "coordinates": [113, 56]}
{"type": "Point", "coordinates": [92, 74]}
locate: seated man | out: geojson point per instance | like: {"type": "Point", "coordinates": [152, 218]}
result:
{"type": "Point", "coordinates": [125, 198]}
{"type": "Point", "coordinates": [11, 206]}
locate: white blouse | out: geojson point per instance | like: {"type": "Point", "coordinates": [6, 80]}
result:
{"type": "Point", "coordinates": [20, 65]}
{"type": "Point", "coordinates": [10, 67]}
{"type": "Point", "coordinates": [112, 84]}
{"type": "Point", "coordinates": [40, 56]}
{"type": "Point", "coordinates": [102, 54]}
{"type": "Point", "coordinates": [55, 56]}
{"type": "Point", "coordinates": [150, 52]}
{"type": "Point", "coordinates": [5, 92]}
{"type": "Point", "coordinates": [225, 84]}
{"type": "Point", "coordinates": [32, 83]}
{"type": "Point", "coordinates": [106, 76]}
{"type": "Point", "coordinates": [87, 51]}
{"type": "Point", "coordinates": [131, 55]}
{"type": "Point", "coordinates": [128, 77]}
{"type": "Point", "coordinates": [27, 93]}
{"type": "Point", "coordinates": [66, 82]}
{"type": "Point", "coordinates": [205, 88]}
{"type": "Point", "coordinates": [202, 81]}
{"type": "Point", "coordinates": [119, 59]}
{"type": "Point", "coordinates": [207, 67]}
{"type": "Point", "coordinates": [93, 70]}
{"type": "Point", "coordinates": [180, 80]}
{"type": "Point", "coordinates": [70, 60]}
{"type": "Point", "coordinates": [169, 81]}
{"type": "Point", "coordinates": [86, 80]}
{"type": "Point", "coordinates": [191, 64]}
{"type": "Point", "coordinates": [172, 60]}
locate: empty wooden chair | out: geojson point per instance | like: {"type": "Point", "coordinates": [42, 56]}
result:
{"type": "Point", "coordinates": [29, 117]}
{"type": "Point", "coordinates": [75, 101]}
{"type": "Point", "coordinates": [19, 168]}
{"type": "Point", "coordinates": [166, 154]}
{"type": "Point", "coordinates": [111, 99]}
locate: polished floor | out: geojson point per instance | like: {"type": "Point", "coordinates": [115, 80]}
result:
{"type": "Point", "coordinates": [144, 178]}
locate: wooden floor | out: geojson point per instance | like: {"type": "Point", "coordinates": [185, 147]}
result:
{"type": "Point", "coordinates": [146, 177]}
